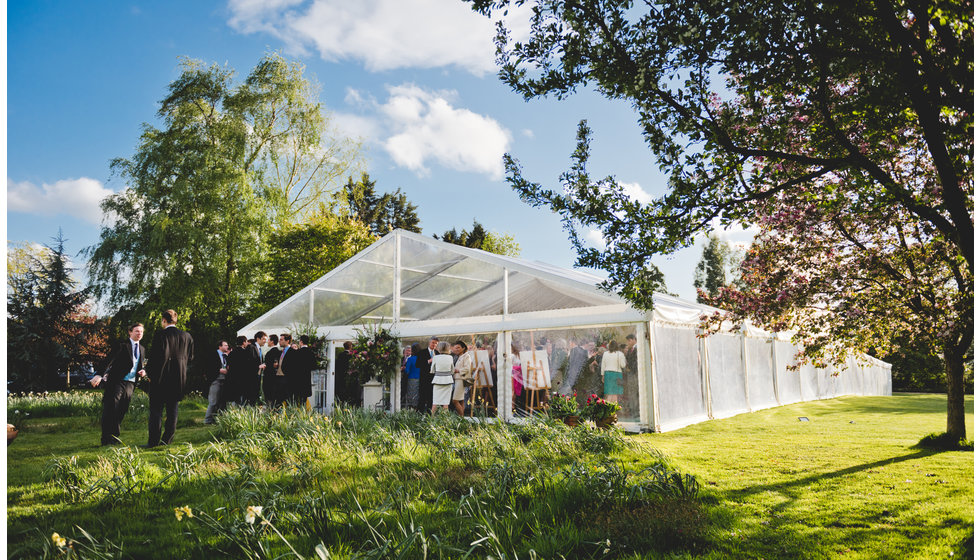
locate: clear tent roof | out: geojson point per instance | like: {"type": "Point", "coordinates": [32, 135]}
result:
{"type": "Point", "coordinates": [436, 280]}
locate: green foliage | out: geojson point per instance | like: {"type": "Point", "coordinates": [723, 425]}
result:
{"type": "Point", "coordinates": [480, 238]}
{"type": "Point", "coordinates": [298, 254]}
{"type": "Point", "coordinates": [714, 270]}
{"type": "Point", "coordinates": [230, 164]}
{"type": "Point", "coordinates": [380, 213]}
{"type": "Point", "coordinates": [49, 326]}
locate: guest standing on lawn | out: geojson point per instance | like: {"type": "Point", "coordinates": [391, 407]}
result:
{"type": "Point", "coordinates": [124, 369]}
{"type": "Point", "coordinates": [170, 352]}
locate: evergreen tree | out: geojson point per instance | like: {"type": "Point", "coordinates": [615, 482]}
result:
{"type": "Point", "coordinates": [709, 275]}
{"type": "Point", "coordinates": [49, 326]}
{"type": "Point", "coordinates": [380, 212]}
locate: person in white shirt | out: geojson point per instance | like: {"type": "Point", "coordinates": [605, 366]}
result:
{"type": "Point", "coordinates": [613, 362]}
{"type": "Point", "coordinates": [442, 377]}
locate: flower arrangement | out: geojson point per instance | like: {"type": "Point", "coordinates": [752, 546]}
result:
{"type": "Point", "coordinates": [599, 409]}
{"type": "Point", "coordinates": [562, 406]}
{"type": "Point", "coordinates": [376, 354]}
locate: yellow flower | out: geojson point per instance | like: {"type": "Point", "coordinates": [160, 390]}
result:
{"type": "Point", "coordinates": [251, 513]}
{"type": "Point", "coordinates": [58, 540]}
{"type": "Point", "coordinates": [183, 511]}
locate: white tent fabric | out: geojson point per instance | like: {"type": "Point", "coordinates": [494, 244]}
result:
{"type": "Point", "coordinates": [420, 286]}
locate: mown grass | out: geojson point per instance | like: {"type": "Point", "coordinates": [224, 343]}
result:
{"type": "Point", "coordinates": [847, 484]}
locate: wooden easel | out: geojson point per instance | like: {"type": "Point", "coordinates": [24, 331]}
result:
{"type": "Point", "coordinates": [478, 382]}
{"type": "Point", "coordinates": [531, 387]}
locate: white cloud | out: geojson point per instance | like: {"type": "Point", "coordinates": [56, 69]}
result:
{"type": "Point", "coordinates": [595, 238]}
{"type": "Point", "coordinates": [636, 192]}
{"type": "Point", "coordinates": [528, 133]}
{"type": "Point", "coordinates": [382, 34]}
{"type": "Point", "coordinates": [355, 126]}
{"type": "Point", "coordinates": [426, 126]}
{"type": "Point", "coordinates": [76, 197]}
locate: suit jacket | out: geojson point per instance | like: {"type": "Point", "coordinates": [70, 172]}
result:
{"type": "Point", "coordinates": [215, 365]}
{"type": "Point", "coordinates": [422, 361]}
{"type": "Point", "coordinates": [172, 349]}
{"type": "Point", "coordinates": [298, 368]}
{"type": "Point", "coordinates": [269, 377]}
{"type": "Point", "coordinates": [121, 362]}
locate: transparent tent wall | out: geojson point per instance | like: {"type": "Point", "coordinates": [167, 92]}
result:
{"type": "Point", "coordinates": [575, 361]}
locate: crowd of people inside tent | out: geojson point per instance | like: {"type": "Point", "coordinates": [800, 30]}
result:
{"type": "Point", "coordinates": [458, 375]}
{"type": "Point", "coordinates": [465, 380]}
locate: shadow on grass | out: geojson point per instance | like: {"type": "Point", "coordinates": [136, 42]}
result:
{"type": "Point", "coordinates": [833, 474]}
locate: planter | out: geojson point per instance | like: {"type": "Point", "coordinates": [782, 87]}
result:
{"type": "Point", "coordinates": [374, 394]}
{"type": "Point", "coordinates": [606, 422]}
{"type": "Point", "coordinates": [571, 421]}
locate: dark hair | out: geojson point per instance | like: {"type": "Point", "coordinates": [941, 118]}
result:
{"type": "Point", "coordinates": [435, 338]}
{"type": "Point", "coordinates": [222, 341]}
{"type": "Point", "coordinates": [305, 339]}
{"type": "Point", "coordinates": [461, 343]}
{"type": "Point", "coordinates": [273, 339]}
{"type": "Point", "coordinates": [170, 316]}
{"type": "Point", "coordinates": [241, 340]}
{"type": "Point", "coordinates": [631, 337]}
{"type": "Point", "coordinates": [259, 335]}
{"type": "Point", "coordinates": [286, 336]}
{"type": "Point", "coordinates": [133, 326]}
{"type": "Point", "coordinates": [348, 345]}
{"type": "Point", "coordinates": [416, 347]}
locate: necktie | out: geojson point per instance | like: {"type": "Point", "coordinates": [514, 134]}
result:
{"type": "Point", "coordinates": [136, 352]}
{"type": "Point", "coordinates": [223, 363]}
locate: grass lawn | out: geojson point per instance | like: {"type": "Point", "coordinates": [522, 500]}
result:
{"type": "Point", "coordinates": [846, 484]}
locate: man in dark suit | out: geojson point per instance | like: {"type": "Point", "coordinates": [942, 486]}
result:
{"type": "Point", "coordinates": [170, 353]}
{"type": "Point", "coordinates": [217, 373]}
{"type": "Point", "coordinates": [271, 361]}
{"type": "Point", "coordinates": [253, 380]}
{"type": "Point", "coordinates": [280, 388]}
{"type": "Point", "coordinates": [424, 362]}
{"type": "Point", "coordinates": [124, 368]}
{"type": "Point", "coordinates": [241, 368]}
{"type": "Point", "coordinates": [298, 366]}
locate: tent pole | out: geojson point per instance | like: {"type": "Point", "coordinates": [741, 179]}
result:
{"type": "Point", "coordinates": [651, 337]}
{"type": "Point", "coordinates": [745, 365]}
{"type": "Point", "coordinates": [331, 376]}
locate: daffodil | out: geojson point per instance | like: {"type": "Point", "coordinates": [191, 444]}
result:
{"type": "Point", "coordinates": [251, 513]}
{"type": "Point", "coordinates": [58, 540]}
{"type": "Point", "coordinates": [183, 511]}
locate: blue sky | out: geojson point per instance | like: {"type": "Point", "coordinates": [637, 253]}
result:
{"type": "Point", "coordinates": [414, 79]}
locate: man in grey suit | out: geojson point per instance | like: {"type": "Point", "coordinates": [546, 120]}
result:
{"type": "Point", "coordinates": [170, 353]}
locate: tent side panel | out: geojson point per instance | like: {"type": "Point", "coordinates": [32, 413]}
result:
{"type": "Point", "coordinates": [681, 395]}
{"type": "Point", "coordinates": [809, 385]}
{"type": "Point", "coordinates": [727, 382]}
{"type": "Point", "coordinates": [788, 381]}
{"type": "Point", "coordinates": [762, 393]}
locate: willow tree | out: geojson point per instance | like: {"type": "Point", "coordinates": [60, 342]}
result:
{"type": "Point", "coordinates": [228, 165]}
{"type": "Point", "coordinates": [742, 102]}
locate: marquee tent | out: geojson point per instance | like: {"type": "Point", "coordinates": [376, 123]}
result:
{"type": "Point", "coordinates": [422, 287]}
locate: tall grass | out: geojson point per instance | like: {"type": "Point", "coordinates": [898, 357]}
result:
{"type": "Point", "coordinates": [370, 485]}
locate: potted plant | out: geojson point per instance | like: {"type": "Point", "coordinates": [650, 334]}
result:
{"type": "Point", "coordinates": [564, 408]}
{"type": "Point", "coordinates": [601, 411]}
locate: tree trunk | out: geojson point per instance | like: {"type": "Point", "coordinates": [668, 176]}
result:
{"type": "Point", "coordinates": [955, 413]}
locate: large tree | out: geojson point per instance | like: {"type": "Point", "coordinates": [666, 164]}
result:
{"type": "Point", "coordinates": [752, 103]}
{"type": "Point", "coordinates": [229, 165]}
{"type": "Point", "coordinates": [50, 326]}
{"type": "Point", "coordinates": [380, 212]}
